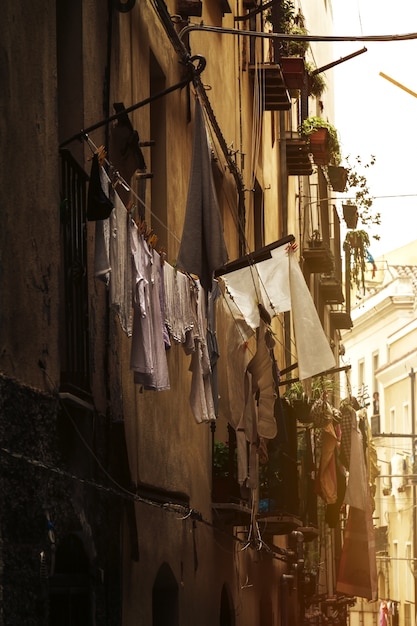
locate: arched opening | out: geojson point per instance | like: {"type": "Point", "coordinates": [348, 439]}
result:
{"type": "Point", "coordinates": [165, 598]}
{"type": "Point", "coordinates": [227, 614]}
{"type": "Point", "coordinates": [69, 587]}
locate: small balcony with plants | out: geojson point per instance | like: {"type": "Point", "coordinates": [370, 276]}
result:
{"type": "Point", "coordinates": [231, 506]}
{"type": "Point", "coordinates": [283, 71]}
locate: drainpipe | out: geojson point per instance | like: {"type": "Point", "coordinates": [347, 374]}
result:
{"type": "Point", "coordinates": [412, 375]}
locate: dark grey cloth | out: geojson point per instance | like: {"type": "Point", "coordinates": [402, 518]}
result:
{"type": "Point", "coordinates": [202, 248]}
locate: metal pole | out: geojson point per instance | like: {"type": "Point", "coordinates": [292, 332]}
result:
{"type": "Point", "coordinates": [413, 433]}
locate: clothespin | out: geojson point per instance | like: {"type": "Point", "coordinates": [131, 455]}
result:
{"type": "Point", "coordinates": [141, 224]}
{"type": "Point", "coordinates": [101, 155]}
{"type": "Point", "coordinates": [130, 207]}
{"type": "Point", "coordinates": [151, 238]}
{"type": "Point", "coordinates": [162, 255]}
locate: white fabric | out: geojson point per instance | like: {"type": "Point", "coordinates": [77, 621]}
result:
{"type": "Point", "coordinates": [178, 315]}
{"type": "Point", "coordinates": [116, 238]}
{"type": "Point", "coordinates": [357, 487]}
{"type": "Point", "coordinates": [313, 350]}
{"type": "Point", "coordinates": [201, 393]}
{"type": "Point", "coordinates": [267, 283]}
{"type": "Point", "coordinates": [279, 285]}
{"type": "Point", "coordinates": [148, 355]}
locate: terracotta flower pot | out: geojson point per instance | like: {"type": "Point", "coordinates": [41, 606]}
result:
{"type": "Point", "coordinates": [350, 215]}
{"type": "Point", "coordinates": [338, 178]}
{"type": "Point", "coordinates": [293, 70]}
{"type": "Point", "coordinates": [319, 146]}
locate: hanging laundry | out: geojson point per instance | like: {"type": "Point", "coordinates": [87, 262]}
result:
{"type": "Point", "coordinates": [327, 477]}
{"type": "Point", "coordinates": [264, 282]}
{"type": "Point", "coordinates": [313, 348]}
{"type": "Point", "coordinates": [212, 342]}
{"type": "Point", "coordinates": [357, 570]}
{"type": "Point", "coordinates": [238, 345]}
{"type": "Point", "coordinates": [276, 282]}
{"type": "Point", "coordinates": [178, 315]}
{"type": "Point", "coordinates": [383, 614]}
{"type": "Point", "coordinates": [124, 149]}
{"type": "Point", "coordinates": [148, 354]}
{"type": "Point", "coordinates": [348, 408]}
{"type": "Point", "coordinates": [357, 487]}
{"type": "Point", "coordinates": [112, 260]}
{"type": "Point", "coordinates": [202, 249]}
{"type": "Point", "coordinates": [201, 394]}
{"type": "Point", "coordinates": [263, 385]}
{"type": "Point", "coordinates": [99, 205]}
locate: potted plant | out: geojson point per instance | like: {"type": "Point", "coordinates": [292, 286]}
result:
{"type": "Point", "coordinates": [224, 484]}
{"type": "Point", "coordinates": [357, 187]}
{"type": "Point", "coordinates": [357, 246]}
{"type": "Point", "coordinates": [293, 70]}
{"type": "Point", "coordinates": [338, 177]}
{"type": "Point", "coordinates": [315, 240]}
{"type": "Point", "coordinates": [323, 140]}
{"type": "Point", "coordinates": [350, 215]}
{"type": "Point", "coordinates": [301, 403]}
{"type": "Point", "coordinates": [317, 255]}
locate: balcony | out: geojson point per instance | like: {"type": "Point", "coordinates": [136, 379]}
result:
{"type": "Point", "coordinates": [318, 258]}
{"type": "Point", "coordinates": [331, 289]}
{"type": "Point", "coordinates": [298, 157]}
{"type": "Point", "coordinates": [340, 319]}
{"type": "Point", "coordinates": [274, 88]}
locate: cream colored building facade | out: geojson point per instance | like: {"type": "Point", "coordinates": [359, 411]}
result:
{"type": "Point", "coordinates": [381, 349]}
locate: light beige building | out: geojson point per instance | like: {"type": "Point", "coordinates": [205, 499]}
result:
{"type": "Point", "coordinates": [381, 351]}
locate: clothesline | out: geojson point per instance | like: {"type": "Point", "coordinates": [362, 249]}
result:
{"type": "Point", "coordinates": [127, 187]}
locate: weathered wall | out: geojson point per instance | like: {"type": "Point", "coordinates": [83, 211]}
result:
{"type": "Point", "coordinates": [29, 196]}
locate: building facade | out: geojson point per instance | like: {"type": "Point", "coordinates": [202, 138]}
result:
{"type": "Point", "coordinates": [143, 140]}
{"type": "Point", "coordinates": [380, 350]}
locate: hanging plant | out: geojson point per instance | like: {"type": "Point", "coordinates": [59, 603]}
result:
{"type": "Point", "coordinates": [316, 82]}
{"type": "Point", "coordinates": [357, 187]}
{"type": "Point", "coordinates": [357, 242]}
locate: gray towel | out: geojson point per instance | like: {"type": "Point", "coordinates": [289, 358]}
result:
{"type": "Point", "coordinates": [202, 248]}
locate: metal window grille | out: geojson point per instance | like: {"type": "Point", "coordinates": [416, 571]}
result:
{"type": "Point", "coordinates": [75, 348]}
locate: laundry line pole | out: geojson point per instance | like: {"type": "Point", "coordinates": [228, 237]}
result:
{"type": "Point", "coordinates": [194, 72]}
{"type": "Point", "coordinates": [293, 37]}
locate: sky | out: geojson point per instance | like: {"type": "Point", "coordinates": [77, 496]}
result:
{"type": "Point", "coordinates": [375, 117]}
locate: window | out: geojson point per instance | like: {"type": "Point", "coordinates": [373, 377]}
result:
{"type": "Point", "coordinates": [165, 598]}
{"type": "Point", "coordinates": [361, 373]}
{"type": "Point", "coordinates": [375, 365]}
{"type": "Point", "coordinates": [227, 616]}
{"type": "Point", "coordinates": [392, 420]}
{"type": "Point", "coordinates": [406, 420]}
{"type": "Point", "coordinates": [75, 347]}
{"type": "Point", "coordinates": [258, 217]}
{"type": "Point", "coordinates": [407, 614]}
{"type": "Point", "coordinates": [69, 587]}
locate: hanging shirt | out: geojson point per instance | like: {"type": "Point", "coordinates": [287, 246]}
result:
{"type": "Point", "coordinates": [113, 256]}
{"type": "Point", "coordinates": [178, 315]}
{"type": "Point", "coordinates": [148, 354]}
{"type": "Point", "coordinates": [201, 394]}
